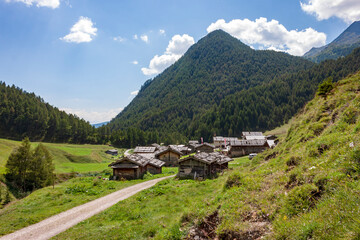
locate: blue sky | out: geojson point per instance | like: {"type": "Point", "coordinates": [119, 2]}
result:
{"type": "Point", "coordinates": [90, 57]}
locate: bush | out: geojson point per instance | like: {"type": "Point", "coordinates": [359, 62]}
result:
{"type": "Point", "coordinates": [293, 161]}
{"type": "Point", "coordinates": [325, 87]}
{"type": "Point", "coordinates": [234, 180]}
{"type": "Point", "coordinates": [300, 199]}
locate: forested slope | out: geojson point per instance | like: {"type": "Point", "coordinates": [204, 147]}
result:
{"type": "Point", "coordinates": [216, 67]}
{"type": "Point", "coordinates": [25, 114]}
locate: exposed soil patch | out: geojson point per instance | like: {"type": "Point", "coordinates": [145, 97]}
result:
{"type": "Point", "coordinates": [207, 229]}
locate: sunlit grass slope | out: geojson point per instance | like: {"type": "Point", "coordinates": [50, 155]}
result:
{"type": "Point", "coordinates": [67, 157]}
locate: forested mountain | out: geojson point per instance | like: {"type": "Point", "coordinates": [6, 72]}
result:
{"type": "Point", "coordinates": [216, 67]}
{"type": "Point", "coordinates": [340, 47]}
{"type": "Point", "coordinates": [25, 114]}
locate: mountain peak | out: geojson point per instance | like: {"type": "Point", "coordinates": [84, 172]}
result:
{"type": "Point", "coordinates": [340, 47]}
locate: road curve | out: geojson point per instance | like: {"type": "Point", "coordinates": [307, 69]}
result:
{"type": "Point", "coordinates": [61, 222]}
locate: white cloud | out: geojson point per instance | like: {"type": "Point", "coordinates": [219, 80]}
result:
{"type": "Point", "coordinates": [347, 10]}
{"type": "Point", "coordinates": [134, 93]}
{"type": "Point", "coordinates": [177, 46]}
{"type": "Point", "coordinates": [82, 31]}
{"type": "Point", "coordinates": [94, 116]}
{"type": "Point", "coordinates": [119, 39]}
{"type": "Point", "coordinates": [135, 37]}
{"type": "Point", "coordinates": [145, 38]}
{"type": "Point", "coordinates": [135, 62]}
{"type": "Point", "coordinates": [162, 31]}
{"type": "Point", "coordinates": [39, 3]}
{"type": "Point", "coordinates": [271, 35]}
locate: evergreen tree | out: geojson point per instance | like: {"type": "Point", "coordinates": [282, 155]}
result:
{"type": "Point", "coordinates": [29, 170]}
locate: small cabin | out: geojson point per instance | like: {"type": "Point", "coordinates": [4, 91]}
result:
{"type": "Point", "coordinates": [253, 136]}
{"type": "Point", "coordinates": [202, 165]}
{"type": "Point", "coordinates": [113, 152]}
{"type": "Point", "coordinates": [170, 156]}
{"type": "Point", "coordinates": [148, 152]}
{"type": "Point", "coordinates": [245, 147]}
{"type": "Point", "coordinates": [222, 142]}
{"type": "Point", "coordinates": [205, 147]}
{"type": "Point", "coordinates": [135, 166]}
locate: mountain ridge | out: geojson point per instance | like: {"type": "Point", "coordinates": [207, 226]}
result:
{"type": "Point", "coordinates": [340, 47]}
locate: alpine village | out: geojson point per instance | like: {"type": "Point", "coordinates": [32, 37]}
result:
{"type": "Point", "coordinates": [228, 142]}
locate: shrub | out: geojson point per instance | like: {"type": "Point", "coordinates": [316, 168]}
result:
{"type": "Point", "coordinates": [234, 180]}
{"type": "Point", "coordinates": [325, 87]}
{"type": "Point", "coordinates": [300, 199]}
{"type": "Point", "coordinates": [293, 161]}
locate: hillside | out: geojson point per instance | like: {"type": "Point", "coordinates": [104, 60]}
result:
{"type": "Point", "coordinates": [25, 114]}
{"type": "Point", "coordinates": [66, 157]}
{"type": "Point", "coordinates": [215, 67]}
{"type": "Point", "coordinates": [181, 104]}
{"type": "Point", "coordinates": [305, 188]}
{"type": "Point", "coordinates": [340, 47]}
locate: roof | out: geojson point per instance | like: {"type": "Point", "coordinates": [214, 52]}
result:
{"type": "Point", "coordinates": [221, 139]}
{"type": "Point", "coordinates": [208, 158]}
{"type": "Point", "coordinates": [204, 144]}
{"type": "Point", "coordinates": [193, 142]}
{"type": "Point", "coordinates": [168, 149]}
{"type": "Point", "coordinates": [253, 142]}
{"type": "Point", "coordinates": [112, 150]}
{"type": "Point", "coordinates": [155, 145]}
{"type": "Point", "coordinates": [252, 134]}
{"type": "Point", "coordinates": [133, 158]}
{"type": "Point", "coordinates": [144, 149]}
{"type": "Point", "coordinates": [156, 162]}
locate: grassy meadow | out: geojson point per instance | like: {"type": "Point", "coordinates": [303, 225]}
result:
{"type": "Point", "coordinates": [66, 157]}
{"type": "Point", "coordinates": [308, 187]}
{"type": "Point", "coordinates": [49, 201]}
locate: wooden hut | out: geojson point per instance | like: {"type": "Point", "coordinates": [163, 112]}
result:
{"type": "Point", "coordinates": [205, 147]}
{"type": "Point", "coordinates": [202, 165]}
{"type": "Point", "coordinates": [252, 135]}
{"type": "Point", "coordinates": [135, 166]}
{"type": "Point", "coordinates": [113, 152]}
{"type": "Point", "coordinates": [148, 152]}
{"type": "Point", "coordinates": [170, 156]}
{"type": "Point", "coordinates": [245, 147]}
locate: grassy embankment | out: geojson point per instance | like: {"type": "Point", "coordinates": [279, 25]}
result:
{"type": "Point", "coordinates": [49, 201]}
{"type": "Point", "coordinates": [66, 157]}
{"type": "Point", "coordinates": [307, 187]}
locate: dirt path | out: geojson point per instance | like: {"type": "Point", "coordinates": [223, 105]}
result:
{"type": "Point", "coordinates": [126, 153]}
{"type": "Point", "coordinates": [59, 223]}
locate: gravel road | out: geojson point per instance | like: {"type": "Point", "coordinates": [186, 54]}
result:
{"type": "Point", "coordinates": [59, 223]}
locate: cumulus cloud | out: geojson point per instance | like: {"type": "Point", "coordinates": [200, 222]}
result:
{"type": "Point", "coordinates": [82, 31]}
{"type": "Point", "coordinates": [145, 38]}
{"type": "Point", "coordinates": [39, 3]}
{"type": "Point", "coordinates": [162, 31]}
{"type": "Point", "coordinates": [347, 10]}
{"type": "Point", "coordinates": [119, 39]}
{"type": "Point", "coordinates": [94, 116]}
{"type": "Point", "coordinates": [135, 62]}
{"type": "Point", "coordinates": [271, 35]}
{"type": "Point", "coordinates": [134, 93]}
{"type": "Point", "coordinates": [177, 46]}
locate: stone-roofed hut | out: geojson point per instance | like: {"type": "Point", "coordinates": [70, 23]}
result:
{"type": "Point", "coordinates": [170, 156]}
{"type": "Point", "coordinates": [135, 166]}
{"type": "Point", "coordinates": [205, 147]}
{"type": "Point", "coordinates": [148, 152]}
{"type": "Point", "coordinates": [252, 135]}
{"type": "Point", "coordinates": [222, 142]}
{"type": "Point", "coordinates": [113, 152]}
{"type": "Point", "coordinates": [202, 165]}
{"type": "Point", "coordinates": [245, 147]}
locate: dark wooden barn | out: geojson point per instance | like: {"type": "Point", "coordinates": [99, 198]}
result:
{"type": "Point", "coordinates": [245, 147]}
{"type": "Point", "coordinates": [202, 165]}
{"type": "Point", "coordinates": [135, 166]}
{"type": "Point", "coordinates": [170, 156]}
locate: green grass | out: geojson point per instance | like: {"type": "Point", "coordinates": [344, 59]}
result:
{"type": "Point", "coordinates": [308, 187]}
{"type": "Point", "coordinates": [48, 201]}
{"type": "Point", "coordinates": [66, 157]}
